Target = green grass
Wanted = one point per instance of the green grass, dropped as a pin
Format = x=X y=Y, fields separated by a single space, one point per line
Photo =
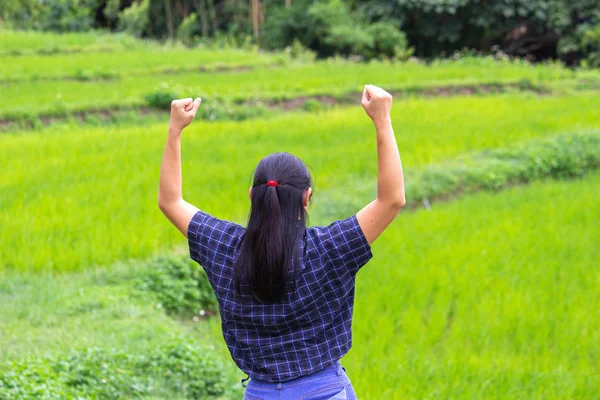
x=31 y=42
x=74 y=199
x=49 y=317
x=113 y=65
x=335 y=78
x=490 y=297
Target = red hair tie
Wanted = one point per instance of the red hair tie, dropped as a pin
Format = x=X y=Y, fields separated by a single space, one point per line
x=272 y=183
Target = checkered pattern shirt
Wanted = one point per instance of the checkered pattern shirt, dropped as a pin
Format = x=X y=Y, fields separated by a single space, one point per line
x=307 y=331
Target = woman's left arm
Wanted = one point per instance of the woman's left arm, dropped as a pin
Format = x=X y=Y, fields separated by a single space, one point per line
x=170 y=195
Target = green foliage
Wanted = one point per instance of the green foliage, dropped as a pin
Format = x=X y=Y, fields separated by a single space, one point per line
x=178 y=285
x=134 y=19
x=69 y=15
x=388 y=41
x=560 y=157
x=590 y=45
x=212 y=109
x=586 y=40
x=22 y=14
x=313 y=105
x=160 y=99
x=50 y=15
x=181 y=366
x=111 y=11
x=329 y=28
x=297 y=51
x=216 y=109
x=519 y=27
x=187 y=31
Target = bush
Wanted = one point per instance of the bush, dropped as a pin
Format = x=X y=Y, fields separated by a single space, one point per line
x=160 y=99
x=68 y=15
x=297 y=51
x=313 y=105
x=187 y=32
x=216 y=109
x=558 y=157
x=388 y=41
x=179 y=285
x=134 y=19
x=590 y=45
x=180 y=367
x=329 y=27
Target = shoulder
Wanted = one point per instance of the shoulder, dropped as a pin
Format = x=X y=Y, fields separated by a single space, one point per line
x=202 y=222
x=208 y=234
x=339 y=231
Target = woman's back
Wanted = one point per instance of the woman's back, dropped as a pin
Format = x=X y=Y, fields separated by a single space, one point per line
x=310 y=328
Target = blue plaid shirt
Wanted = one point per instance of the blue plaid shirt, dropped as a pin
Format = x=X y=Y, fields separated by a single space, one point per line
x=307 y=331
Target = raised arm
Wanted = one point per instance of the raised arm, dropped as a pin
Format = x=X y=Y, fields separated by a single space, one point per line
x=377 y=215
x=170 y=197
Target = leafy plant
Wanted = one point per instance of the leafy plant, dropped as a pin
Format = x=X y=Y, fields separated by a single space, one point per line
x=559 y=157
x=179 y=367
x=160 y=99
x=134 y=19
x=178 y=285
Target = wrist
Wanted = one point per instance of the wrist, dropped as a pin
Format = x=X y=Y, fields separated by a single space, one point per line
x=174 y=131
x=381 y=123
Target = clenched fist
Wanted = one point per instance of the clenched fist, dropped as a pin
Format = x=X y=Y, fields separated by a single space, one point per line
x=183 y=112
x=377 y=103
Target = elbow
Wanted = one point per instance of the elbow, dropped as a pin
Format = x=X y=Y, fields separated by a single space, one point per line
x=163 y=206
x=398 y=203
x=395 y=203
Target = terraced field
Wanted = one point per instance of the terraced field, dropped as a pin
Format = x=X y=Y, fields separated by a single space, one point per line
x=484 y=287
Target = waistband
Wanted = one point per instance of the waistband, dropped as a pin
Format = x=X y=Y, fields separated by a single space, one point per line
x=334 y=369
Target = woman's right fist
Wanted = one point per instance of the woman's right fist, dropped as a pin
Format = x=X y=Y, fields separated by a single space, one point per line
x=377 y=103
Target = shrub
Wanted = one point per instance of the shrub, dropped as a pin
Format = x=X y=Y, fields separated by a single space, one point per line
x=388 y=41
x=160 y=99
x=179 y=285
x=297 y=51
x=187 y=32
x=590 y=45
x=180 y=366
x=134 y=19
x=329 y=27
x=68 y=15
x=559 y=157
x=216 y=109
x=313 y=105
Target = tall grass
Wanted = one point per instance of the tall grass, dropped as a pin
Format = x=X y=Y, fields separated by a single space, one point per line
x=74 y=199
x=113 y=65
x=31 y=42
x=495 y=296
x=335 y=78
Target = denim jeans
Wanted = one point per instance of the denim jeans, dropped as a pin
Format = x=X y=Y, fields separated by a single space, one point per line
x=331 y=383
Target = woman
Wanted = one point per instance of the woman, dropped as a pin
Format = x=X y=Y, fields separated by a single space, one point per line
x=285 y=291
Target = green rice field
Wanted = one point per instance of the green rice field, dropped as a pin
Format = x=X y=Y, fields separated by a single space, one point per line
x=485 y=292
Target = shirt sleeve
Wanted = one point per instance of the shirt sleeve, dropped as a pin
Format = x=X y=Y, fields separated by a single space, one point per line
x=212 y=242
x=346 y=245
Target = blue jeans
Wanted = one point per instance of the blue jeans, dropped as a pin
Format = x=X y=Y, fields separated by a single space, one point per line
x=331 y=383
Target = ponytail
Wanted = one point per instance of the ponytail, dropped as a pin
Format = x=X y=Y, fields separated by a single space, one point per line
x=267 y=258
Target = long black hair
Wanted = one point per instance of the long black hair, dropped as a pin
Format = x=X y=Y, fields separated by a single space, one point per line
x=267 y=258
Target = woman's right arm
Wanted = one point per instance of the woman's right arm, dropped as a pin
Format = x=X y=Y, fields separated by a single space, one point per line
x=377 y=215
